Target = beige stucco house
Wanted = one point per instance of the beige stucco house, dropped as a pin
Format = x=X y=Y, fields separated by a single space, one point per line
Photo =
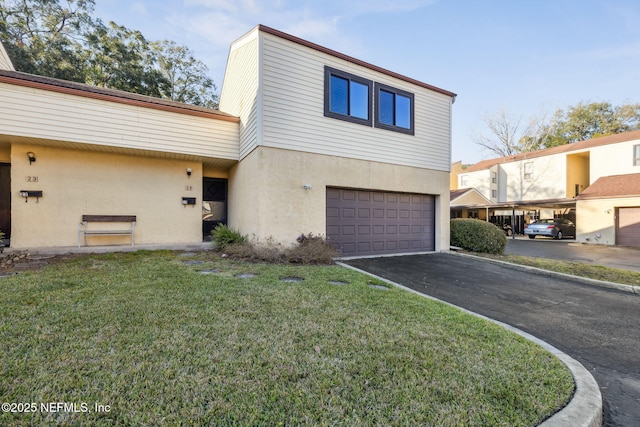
x=306 y=140
x=593 y=183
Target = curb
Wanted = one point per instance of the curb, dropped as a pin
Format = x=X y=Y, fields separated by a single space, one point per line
x=585 y=407
x=594 y=282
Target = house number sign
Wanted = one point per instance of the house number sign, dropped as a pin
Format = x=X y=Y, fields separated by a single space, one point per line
x=31 y=178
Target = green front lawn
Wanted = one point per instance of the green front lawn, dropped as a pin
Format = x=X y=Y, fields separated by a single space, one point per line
x=160 y=343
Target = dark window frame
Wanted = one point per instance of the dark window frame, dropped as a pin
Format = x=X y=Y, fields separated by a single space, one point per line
x=395 y=91
x=636 y=155
x=328 y=73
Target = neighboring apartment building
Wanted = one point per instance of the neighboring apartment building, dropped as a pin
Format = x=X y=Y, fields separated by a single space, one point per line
x=306 y=140
x=568 y=181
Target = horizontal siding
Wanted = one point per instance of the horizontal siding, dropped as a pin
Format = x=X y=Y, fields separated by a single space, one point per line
x=5 y=62
x=239 y=95
x=293 y=82
x=36 y=113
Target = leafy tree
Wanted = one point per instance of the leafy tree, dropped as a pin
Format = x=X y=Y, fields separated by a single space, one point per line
x=43 y=37
x=186 y=77
x=581 y=122
x=591 y=120
x=119 y=58
x=61 y=39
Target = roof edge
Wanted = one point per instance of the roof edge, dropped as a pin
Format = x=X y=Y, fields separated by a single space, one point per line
x=306 y=43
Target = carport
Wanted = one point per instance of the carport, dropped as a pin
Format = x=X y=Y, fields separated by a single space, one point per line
x=517 y=214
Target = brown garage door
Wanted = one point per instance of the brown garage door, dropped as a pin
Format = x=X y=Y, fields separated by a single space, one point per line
x=628 y=227
x=362 y=222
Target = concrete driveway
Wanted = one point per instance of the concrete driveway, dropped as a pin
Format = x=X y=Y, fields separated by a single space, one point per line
x=599 y=327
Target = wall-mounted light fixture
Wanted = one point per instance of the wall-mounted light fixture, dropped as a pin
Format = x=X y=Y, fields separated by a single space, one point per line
x=189 y=170
x=307 y=186
x=607 y=211
x=188 y=201
x=31 y=156
x=28 y=193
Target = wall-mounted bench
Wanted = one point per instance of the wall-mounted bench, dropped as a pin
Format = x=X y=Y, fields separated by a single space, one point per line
x=85 y=230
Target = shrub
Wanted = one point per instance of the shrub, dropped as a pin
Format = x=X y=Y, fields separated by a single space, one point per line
x=224 y=236
x=477 y=236
x=311 y=250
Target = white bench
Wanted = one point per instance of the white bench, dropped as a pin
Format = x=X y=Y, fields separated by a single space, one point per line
x=83 y=231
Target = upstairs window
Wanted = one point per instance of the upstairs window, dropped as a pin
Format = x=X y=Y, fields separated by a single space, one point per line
x=394 y=109
x=347 y=96
x=636 y=155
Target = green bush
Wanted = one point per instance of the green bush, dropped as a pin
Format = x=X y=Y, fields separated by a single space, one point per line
x=224 y=236
x=477 y=236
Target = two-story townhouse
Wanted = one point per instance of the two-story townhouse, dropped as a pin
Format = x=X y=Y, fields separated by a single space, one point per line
x=575 y=180
x=306 y=140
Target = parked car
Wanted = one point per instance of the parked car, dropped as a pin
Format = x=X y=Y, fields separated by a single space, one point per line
x=556 y=228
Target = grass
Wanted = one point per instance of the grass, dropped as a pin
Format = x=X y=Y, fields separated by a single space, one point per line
x=161 y=343
x=590 y=271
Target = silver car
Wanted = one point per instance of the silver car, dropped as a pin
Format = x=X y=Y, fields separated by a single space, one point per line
x=556 y=228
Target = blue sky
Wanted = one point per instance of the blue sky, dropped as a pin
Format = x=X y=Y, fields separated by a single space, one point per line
x=521 y=56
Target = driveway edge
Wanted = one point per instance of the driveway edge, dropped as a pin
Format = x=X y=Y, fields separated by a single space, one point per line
x=585 y=407
x=594 y=282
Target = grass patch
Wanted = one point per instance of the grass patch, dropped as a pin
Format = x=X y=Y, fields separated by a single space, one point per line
x=590 y=271
x=163 y=344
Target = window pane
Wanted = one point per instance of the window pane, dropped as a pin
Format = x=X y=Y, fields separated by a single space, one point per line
x=403 y=111
x=386 y=107
x=339 y=97
x=359 y=101
x=636 y=155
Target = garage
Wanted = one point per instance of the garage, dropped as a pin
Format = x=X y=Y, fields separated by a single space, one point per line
x=628 y=227
x=365 y=222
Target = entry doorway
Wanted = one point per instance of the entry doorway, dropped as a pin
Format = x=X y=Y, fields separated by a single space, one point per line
x=5 y=199
x=214 y=205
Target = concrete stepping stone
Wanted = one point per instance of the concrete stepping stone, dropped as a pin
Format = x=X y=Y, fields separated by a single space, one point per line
x=291 y=279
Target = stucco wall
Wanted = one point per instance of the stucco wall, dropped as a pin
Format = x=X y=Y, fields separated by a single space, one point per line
x=596 y=221
x=267 y=196
x=83 y=182
x=613 y=159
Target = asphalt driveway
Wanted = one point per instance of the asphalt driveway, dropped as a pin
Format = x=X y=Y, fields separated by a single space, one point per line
x=599 y=327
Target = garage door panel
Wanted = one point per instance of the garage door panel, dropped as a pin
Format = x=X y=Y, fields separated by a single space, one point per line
x=361 y=222
x=364 y=213
x=628 y=227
